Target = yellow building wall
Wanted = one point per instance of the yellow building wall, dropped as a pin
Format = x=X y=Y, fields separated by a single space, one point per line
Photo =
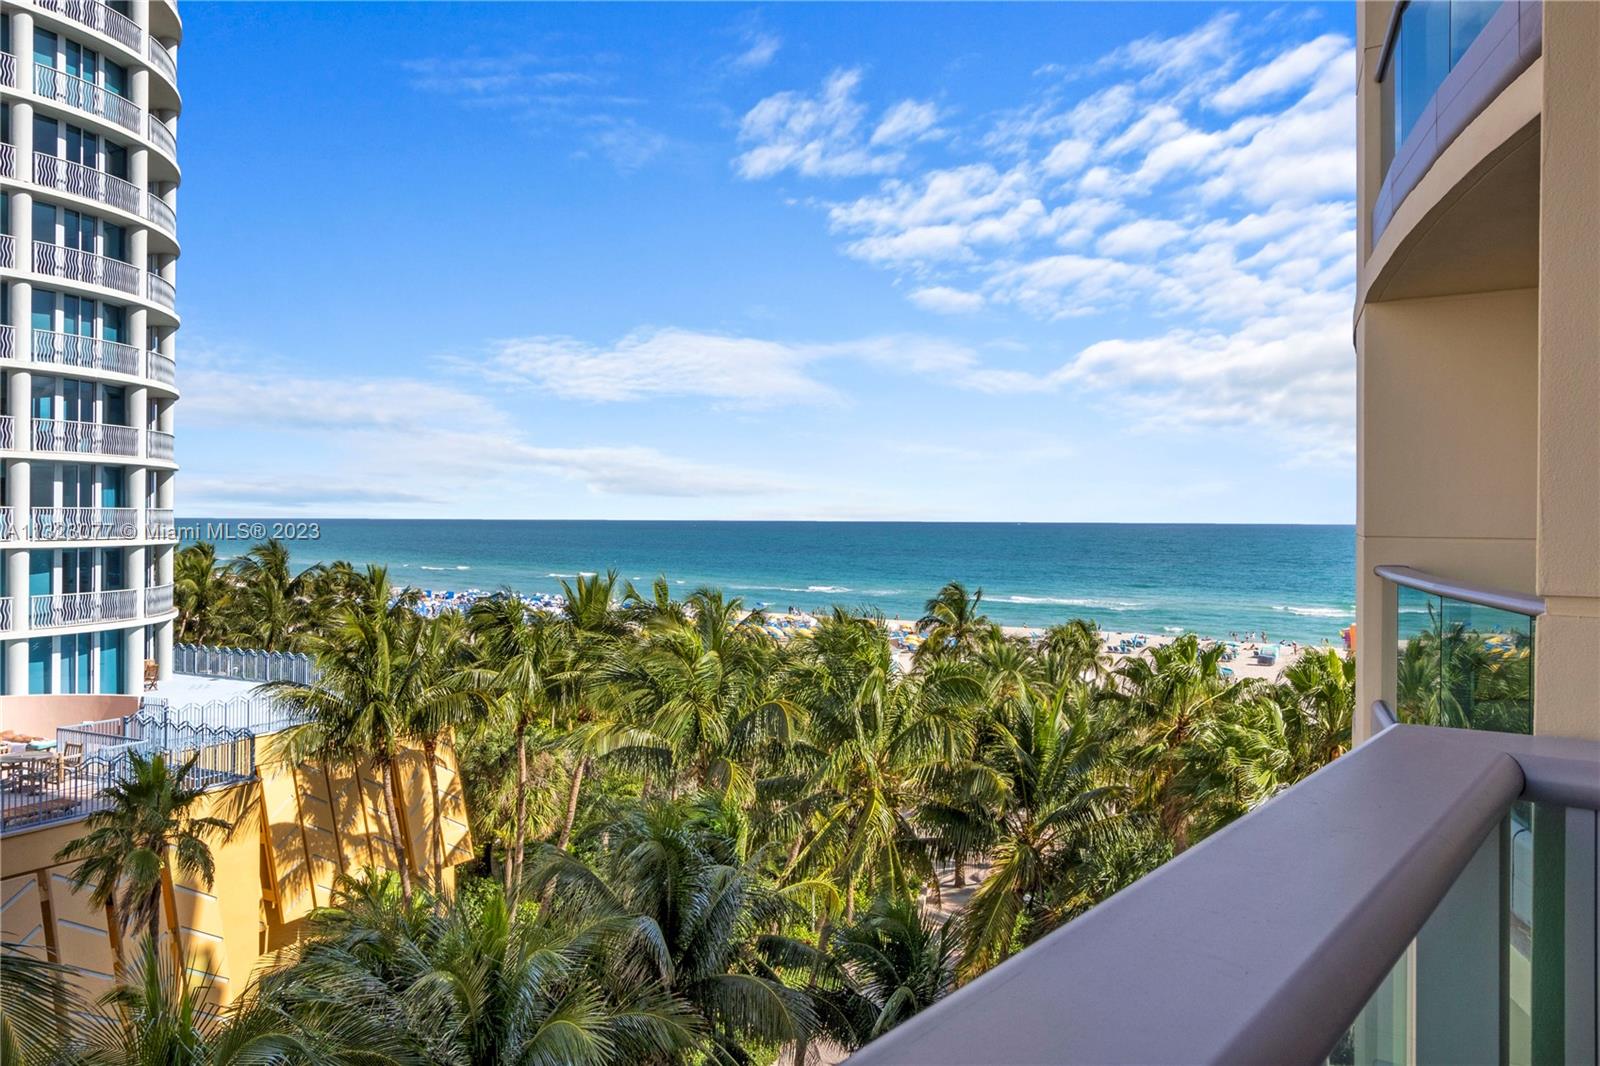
x=300 y=827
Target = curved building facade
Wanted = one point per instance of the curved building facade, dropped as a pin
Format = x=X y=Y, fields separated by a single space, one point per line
x=88 y=256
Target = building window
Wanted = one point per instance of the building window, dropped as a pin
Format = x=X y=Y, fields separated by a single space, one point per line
x=1430 y=40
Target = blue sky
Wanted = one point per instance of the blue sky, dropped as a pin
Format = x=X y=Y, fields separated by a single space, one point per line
x=1021 y=262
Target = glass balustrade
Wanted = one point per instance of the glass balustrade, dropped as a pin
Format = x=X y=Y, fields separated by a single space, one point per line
x=1463 y=664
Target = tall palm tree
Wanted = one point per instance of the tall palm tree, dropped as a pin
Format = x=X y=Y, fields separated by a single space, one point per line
x=146 y=823
x=952 y=624
x=594 y=623
x=200 y=589
x=36 y=1000
x=897 y=961
x=375 y=678
x=1316 y=696
x=523 y=654
x=1075 y=650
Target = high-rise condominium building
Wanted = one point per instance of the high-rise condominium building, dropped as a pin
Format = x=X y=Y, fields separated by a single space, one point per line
x=89 y=171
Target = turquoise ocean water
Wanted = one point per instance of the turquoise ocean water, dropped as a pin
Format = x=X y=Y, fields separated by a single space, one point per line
x=1293 y=582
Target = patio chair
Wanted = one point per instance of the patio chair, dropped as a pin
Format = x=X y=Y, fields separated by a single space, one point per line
x=152 y=674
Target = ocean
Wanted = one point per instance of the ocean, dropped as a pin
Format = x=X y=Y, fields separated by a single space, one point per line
x=1291 y=582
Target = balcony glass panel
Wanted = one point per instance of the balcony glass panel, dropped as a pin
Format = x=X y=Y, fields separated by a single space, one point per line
x=1431 y=39
x=1463 y=665
x=1488 y=978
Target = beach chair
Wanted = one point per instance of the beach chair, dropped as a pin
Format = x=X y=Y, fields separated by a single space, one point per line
x=152 y=674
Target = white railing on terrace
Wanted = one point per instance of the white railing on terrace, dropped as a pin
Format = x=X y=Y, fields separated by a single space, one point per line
x=60 y=435
x=8 y=251
x=84 y=523
x=8 y=523
x=7 y=615
x=75 y=178
x=256 y=714
x=159 y=290
x=8 y=432
x=8 y=161
x=244 y=664
x=77 y=265
x=160 y=212
x=161 y=136
x=161 y=59
x=160 y=524
x=98 y=16
x=162 y=368
x=92 y=353
x=158 y=599
x=8 y=70
x=76 y=608
x=160 y=445
x=8 y=342
x=86 y=96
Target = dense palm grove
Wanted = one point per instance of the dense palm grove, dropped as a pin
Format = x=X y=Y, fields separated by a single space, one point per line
x=700 y=844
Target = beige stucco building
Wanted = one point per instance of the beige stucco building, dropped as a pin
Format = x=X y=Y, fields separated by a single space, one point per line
x=1477 y=328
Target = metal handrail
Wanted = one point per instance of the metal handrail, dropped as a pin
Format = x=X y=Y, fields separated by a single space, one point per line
x=84 y=523
x=1382 y=716
x=95 y=353
x=245 y=664
x=161 y=136
x=85 y=95
x=54 y=172
x=8 y=342
x=1482 y=595
x=161 y=59
x=8 y=161
x=1263 y=942
x=159 y=290
x=97 y=438
x=98 y=16
x=160 y=445
x=75 y=264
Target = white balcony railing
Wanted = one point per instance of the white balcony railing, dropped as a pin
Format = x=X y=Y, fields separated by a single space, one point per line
x=160 y=445
x=8 y=432
x=158 y=211
x=74 y=264
x=84 y=523
x=57 y=173
x=159 y=290
x=161 y=136
x=8 y=252
x=98 y=16
x=161 y=59
x=161 y=368
x=77 y=608
x=7 y=615
x=8 y=70
x=8 y=161
x=8 y=523
x=86 y=96
x=91 y=353
x=8 y=342
x=160 y=524
x=158 y=599
x=97 y=438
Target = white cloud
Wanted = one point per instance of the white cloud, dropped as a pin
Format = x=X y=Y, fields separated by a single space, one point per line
x=1140 y=237
x=947 y=301
x=1066 y=157
x=762 y=49
x=908 y=120
x=816 y=136
x=1289 y=70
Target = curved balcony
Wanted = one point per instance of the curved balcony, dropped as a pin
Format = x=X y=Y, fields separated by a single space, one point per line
x=89 y=353
x=83 y=523
x=6 y=615
x=160 y=446
x=95 y=438
x=161 y=136
x=158 y=211
x=84 y=95
x=160 y=523
x=74 y=264
x=158 y=599
x=8 y=161
x=79 y=608
x=161 y=368
x=159 y=290
x=8 y=252
x=8 y=524
x=161 y=60
x=8 y=432
x=8 y=342
x=98 y=16
x=53 y=172
x=8 y=70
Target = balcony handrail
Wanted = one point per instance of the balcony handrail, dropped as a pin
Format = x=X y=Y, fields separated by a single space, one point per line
x=160 y=445
x=95 y=353
x=8 y=342
x=91 y=268
x=244 y=664
x=161 y=135
x=8 y=70
x=83 y=523
x=98 y=16
x=159 y=290
x=54 y=83
x=162 y=59
x=71 y=608
x=97 y=438
x=8 y=251
x=1382 y=716
x=1263 y=942
x=1450 y=588
x=8 y=432
x=8 y=160
x=55 y=172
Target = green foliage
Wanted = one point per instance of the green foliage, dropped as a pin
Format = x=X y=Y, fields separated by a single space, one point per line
x=716 y=845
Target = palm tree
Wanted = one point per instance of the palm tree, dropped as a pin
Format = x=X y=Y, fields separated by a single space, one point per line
x=36 y=999
x=376 y=677
x=162 y=1018
x=717 y=924
x=145 y=824
x=482 y=981
x=952 y=624
x=896 y=962
x=874 y=737
x=201 y=590
x=526 y=653
x=594 y=623
x=1316 y=696
x=1075 y=651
